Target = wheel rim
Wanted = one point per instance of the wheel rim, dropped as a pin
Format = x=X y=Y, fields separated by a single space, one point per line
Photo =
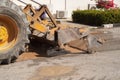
x=8 y=32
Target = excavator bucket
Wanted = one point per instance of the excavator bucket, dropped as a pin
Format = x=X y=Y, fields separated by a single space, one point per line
x=72 y=37
x=68 y=34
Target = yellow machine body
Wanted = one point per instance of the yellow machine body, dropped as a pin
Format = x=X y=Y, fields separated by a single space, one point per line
x=3 y=35
x=34 y=15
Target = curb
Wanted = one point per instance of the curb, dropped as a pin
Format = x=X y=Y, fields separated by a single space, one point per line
x=111 y=25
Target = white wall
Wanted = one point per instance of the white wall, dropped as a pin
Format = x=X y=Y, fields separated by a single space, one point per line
x=71 y=5
x=55 y=5
x=117 y=2
x=76 y=4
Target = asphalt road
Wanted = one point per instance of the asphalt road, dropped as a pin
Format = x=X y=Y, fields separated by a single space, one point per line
x=98 y=66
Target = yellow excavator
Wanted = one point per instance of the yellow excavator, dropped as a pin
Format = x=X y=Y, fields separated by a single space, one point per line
x=18 y=26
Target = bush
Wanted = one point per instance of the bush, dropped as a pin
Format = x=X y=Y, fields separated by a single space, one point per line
x=96 y=17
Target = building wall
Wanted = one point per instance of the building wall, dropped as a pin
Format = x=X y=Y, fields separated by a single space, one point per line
x=70 y=5
x=117 y=2
x=73 y=5
x=59 y=5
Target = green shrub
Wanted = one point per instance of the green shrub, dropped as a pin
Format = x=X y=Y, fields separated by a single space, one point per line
x=96 y=17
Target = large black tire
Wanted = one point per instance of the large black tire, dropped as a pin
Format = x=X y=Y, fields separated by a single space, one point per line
x=12 y=10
